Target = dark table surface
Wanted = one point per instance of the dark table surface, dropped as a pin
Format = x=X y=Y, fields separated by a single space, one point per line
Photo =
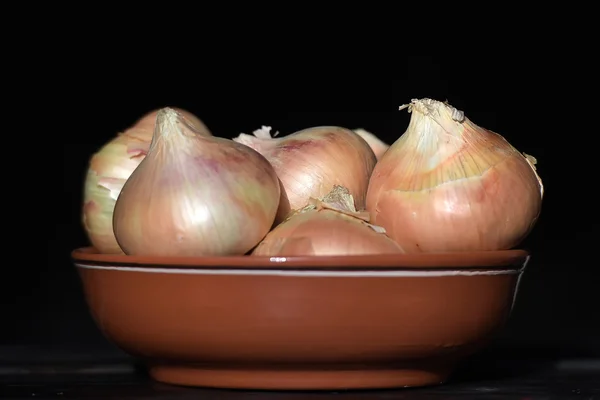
x=58 y=373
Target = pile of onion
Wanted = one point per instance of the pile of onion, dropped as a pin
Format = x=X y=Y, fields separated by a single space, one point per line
x=107 y=172
x=168 y=187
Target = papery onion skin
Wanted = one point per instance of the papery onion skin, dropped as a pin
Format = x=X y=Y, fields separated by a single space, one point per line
x=378 y=146
x=448 y=185
x=107 y=172
x=311 y=161
x=324 y=233
x=195 y=196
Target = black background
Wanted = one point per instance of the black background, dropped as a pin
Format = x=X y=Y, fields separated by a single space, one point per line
x=557 y=310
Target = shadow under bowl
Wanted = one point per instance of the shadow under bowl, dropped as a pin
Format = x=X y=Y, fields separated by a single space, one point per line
x=301 y=323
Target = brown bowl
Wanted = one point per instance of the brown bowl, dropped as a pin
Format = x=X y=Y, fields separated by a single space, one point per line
x=303 y=322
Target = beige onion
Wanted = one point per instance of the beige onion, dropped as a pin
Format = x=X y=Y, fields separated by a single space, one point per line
x=330 y=226
x=312 y=161
x=107 y=171
x=195 y=195
x=448 y=184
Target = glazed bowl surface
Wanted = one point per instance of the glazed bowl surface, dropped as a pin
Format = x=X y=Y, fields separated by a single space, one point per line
x=313 y=323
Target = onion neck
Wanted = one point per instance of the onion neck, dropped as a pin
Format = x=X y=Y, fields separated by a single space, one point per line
x=172 y=125
x=434 y=128
x=435 y=117
x=338 y=199
x=433 y=107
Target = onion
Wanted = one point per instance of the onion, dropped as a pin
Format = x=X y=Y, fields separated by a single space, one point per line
x=378 y=146
x=195 y=195
x=311 y=161
x=327 y=227
x=108 y=170
x=448 y=184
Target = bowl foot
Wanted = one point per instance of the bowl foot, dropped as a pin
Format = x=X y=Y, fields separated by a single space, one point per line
x=304 y=379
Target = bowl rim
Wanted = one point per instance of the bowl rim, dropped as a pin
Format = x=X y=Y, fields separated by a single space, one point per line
x=514 y=259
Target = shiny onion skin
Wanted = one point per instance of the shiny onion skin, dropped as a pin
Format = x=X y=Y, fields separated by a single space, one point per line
x=195 y=195
x=311 y=161
x=327 y=227
x=449 y=185
x=378 y=146
x=107 y=172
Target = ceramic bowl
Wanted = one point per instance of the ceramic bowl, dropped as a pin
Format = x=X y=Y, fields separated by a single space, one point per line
x=303 y=322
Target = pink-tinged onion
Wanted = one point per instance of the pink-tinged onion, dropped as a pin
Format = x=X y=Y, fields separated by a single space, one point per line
x=378 y=146
x=195 y=195
x=448 y=184
x=312 y=161
x=107 y=172
x=330 y=226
